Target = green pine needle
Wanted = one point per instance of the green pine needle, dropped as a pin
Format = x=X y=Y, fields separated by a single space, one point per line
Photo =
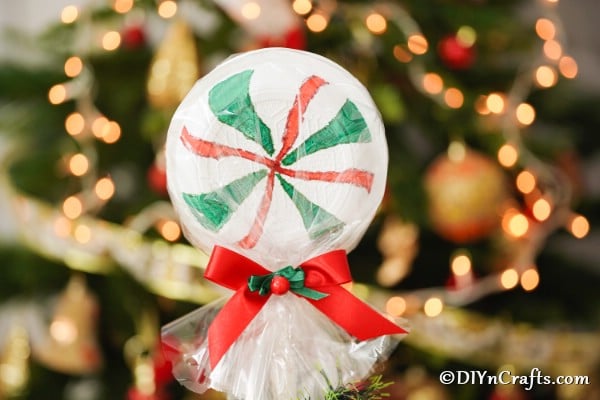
x=369 y=390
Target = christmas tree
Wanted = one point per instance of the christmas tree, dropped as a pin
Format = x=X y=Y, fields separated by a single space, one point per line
x=483 y=242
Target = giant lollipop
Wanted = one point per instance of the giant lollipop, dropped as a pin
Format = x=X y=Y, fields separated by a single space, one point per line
x=276 y=164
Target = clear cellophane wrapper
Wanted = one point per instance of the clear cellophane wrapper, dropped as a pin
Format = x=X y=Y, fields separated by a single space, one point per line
x=290 y=350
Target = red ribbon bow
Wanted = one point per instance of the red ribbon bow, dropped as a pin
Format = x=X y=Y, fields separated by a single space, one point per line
x=324 y=273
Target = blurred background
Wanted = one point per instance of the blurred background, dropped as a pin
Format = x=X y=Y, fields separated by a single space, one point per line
x=485 y=242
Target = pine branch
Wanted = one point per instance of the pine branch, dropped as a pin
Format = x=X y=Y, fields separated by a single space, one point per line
x=370 y=390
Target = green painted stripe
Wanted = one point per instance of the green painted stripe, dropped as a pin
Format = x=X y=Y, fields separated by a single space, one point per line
x=230 y=101
x=348 y=126
x=317 y=220
x=213 y=209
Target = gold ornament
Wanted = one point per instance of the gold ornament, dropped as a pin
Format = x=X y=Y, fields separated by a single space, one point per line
x=174 y=69
x=71 y=346
x=465 y=195
x=143 y=375
x=14 y=363
x=397 y=243
x=138 y=352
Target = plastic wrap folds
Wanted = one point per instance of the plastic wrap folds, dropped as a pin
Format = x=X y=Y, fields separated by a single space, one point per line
x=289 y=351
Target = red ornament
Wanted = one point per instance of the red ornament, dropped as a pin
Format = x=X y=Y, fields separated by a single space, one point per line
x=455 y=54
x=280 y=285
x=293 y=39
x=133 y=37
x=157 y=179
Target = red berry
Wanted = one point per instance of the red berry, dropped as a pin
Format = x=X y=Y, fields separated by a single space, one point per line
x=280 y=285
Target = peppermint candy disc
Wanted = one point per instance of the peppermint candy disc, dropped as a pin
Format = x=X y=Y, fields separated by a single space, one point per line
x=277 y=154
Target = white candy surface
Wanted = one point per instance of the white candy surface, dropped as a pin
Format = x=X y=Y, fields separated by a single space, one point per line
x=234 y=185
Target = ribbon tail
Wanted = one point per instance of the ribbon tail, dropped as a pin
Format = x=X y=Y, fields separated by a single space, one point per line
x=231 y=321
x=354 y=316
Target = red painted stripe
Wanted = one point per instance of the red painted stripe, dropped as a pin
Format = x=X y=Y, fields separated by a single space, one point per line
x=208 y=149
x=307 y=91
x=356 y=177
x=256 y=231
